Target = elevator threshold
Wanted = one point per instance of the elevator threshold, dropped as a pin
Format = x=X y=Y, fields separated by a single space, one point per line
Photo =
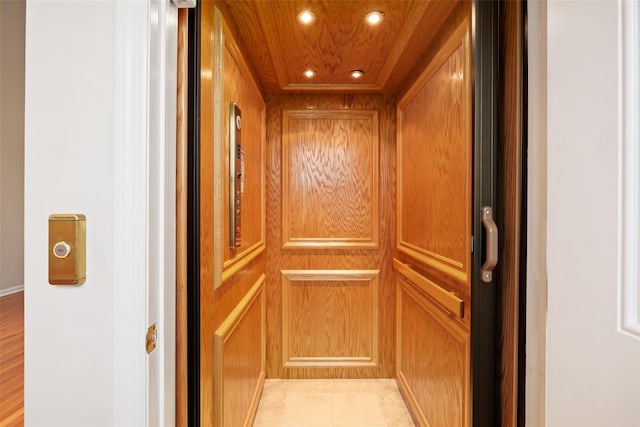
x=332 y=403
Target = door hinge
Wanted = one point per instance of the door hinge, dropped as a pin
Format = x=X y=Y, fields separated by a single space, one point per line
x=152 y=337
x=472 y=243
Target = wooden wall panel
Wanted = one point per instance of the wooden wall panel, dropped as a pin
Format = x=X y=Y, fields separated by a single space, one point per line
x=433 y=360
x=434 y=174
x=239 y=360
x=309 y=260
x=221 y=293
x=330 y=178
x=434 y=166
x=330 y=318
x=238 y=86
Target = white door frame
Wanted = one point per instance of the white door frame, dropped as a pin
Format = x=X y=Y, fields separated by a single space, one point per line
x=144 y=212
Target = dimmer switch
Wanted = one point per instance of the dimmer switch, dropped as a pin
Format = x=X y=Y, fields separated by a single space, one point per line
x=67 y=249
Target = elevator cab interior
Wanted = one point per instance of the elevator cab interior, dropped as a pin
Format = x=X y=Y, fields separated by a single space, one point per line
x=335 y=204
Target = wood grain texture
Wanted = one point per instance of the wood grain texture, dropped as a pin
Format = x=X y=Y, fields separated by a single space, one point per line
x=181 y=220
x=217 y=302
x=510 y=210
x=433 y=361
x=337 y=42
x=329 y=318
x=434 y=165
x=447 y=300
x=330 y=179
x=12 y=360
x=434 y=229
x=239 y=360
x=239 y=86
x=331 y=259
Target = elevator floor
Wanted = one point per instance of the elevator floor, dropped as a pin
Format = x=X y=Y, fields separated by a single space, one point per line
x=332 y=403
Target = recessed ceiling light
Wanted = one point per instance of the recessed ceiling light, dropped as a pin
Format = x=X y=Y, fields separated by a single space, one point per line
x=309 y=73
x=306 y=17
x=356 y=74
x=374 y=17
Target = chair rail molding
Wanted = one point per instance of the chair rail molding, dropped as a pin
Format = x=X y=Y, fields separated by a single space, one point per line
x=629 y=165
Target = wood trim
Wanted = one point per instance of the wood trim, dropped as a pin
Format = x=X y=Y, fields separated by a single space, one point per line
x=218 y=146
x=182 y=189
x=332 y=243
x=459 y=36
x=448 y=300
x=235 y=265
x=370 y=276
x=222 y=335
x=510 y=210
x=457 y=270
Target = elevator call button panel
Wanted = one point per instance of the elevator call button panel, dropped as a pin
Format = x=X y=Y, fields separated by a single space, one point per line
x=67 y=249
x=236 y=178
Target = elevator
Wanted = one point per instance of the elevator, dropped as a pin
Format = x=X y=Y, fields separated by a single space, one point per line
x=343 y=203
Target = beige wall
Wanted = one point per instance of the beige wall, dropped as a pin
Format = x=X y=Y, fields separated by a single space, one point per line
x=12 y=39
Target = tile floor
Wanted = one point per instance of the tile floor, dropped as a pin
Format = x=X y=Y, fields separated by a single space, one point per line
x=332 y=403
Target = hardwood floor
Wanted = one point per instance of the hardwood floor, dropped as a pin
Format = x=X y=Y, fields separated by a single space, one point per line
x=12 y=360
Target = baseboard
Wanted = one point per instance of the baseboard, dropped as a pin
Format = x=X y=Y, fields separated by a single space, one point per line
x=12 y=290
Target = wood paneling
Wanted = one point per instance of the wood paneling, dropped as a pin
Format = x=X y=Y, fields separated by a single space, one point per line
x=510 y=210
x=239 y=86
x=330 y=178
x=329 y=318
x=239 y=360
x=433 y=360
x=306 y=260
x=434 y=155
x=337 y=42
x=447 y=300
x=218 y=297
x=434 y=165
x=12 y=360
x=181 y=220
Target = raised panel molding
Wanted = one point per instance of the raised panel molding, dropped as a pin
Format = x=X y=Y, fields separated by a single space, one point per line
x=233 y=81
x=433 y=361
x=330 y=318
x=629 y=165
x=239 y=360
x=330 y=179
x=434 y=129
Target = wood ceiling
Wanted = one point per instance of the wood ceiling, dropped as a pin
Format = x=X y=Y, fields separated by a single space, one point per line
x=337 y=42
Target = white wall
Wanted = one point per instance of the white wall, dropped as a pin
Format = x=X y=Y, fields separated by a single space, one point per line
x=95 y=145
x=536 y=216
x=69 y=163
x=592 y=369
x=12 y=19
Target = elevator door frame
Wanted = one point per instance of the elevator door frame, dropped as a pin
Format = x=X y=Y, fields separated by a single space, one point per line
x=485 y=23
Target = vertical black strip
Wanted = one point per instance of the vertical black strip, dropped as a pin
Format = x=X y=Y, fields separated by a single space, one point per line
x=193 y=215
x=483 y=295
x=522 y=291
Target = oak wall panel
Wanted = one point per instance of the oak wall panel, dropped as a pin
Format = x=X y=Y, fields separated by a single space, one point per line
x=330 y=178
x=343 y=258
x=434 y=166
x=330 y=318
x=433 y=360
x=222 y=292
x=239 y=360
x=238 y=86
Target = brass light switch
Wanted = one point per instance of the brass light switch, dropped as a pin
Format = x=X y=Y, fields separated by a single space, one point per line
x=67 y=249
